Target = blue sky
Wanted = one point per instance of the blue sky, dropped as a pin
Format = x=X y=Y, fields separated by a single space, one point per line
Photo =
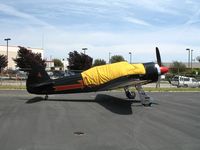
x=103 y=26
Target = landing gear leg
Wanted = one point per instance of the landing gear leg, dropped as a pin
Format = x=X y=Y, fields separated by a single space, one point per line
x=145 y=99
x=129 y=94
x=46 y=97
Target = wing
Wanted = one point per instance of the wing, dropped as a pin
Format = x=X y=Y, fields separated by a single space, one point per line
x=122 y=82
x=101 y=75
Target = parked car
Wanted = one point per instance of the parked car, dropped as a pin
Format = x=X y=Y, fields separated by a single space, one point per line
x=183 y=81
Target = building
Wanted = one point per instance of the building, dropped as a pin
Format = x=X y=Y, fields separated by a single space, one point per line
x=65 y=64
x=49 y=64
x=12 y=53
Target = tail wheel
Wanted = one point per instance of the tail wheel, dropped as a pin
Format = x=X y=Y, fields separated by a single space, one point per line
x=147 y=105
x=46 y=97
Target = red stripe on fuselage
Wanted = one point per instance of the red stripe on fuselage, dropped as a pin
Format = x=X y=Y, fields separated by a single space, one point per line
x=69 y=87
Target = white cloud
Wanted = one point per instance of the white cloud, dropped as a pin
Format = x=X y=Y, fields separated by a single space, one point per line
x=11 y=11
x=137 y=21
x=194 y=19
x=86 y=17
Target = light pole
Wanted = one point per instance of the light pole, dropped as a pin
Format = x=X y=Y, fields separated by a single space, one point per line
x=109 y=56
x=130 y=57
x=191 y=57
x=84 y=49
x=7 y=39
x=188 y=57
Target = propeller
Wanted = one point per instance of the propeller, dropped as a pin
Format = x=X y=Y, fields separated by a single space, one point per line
x=158 y=57
x=163 y=69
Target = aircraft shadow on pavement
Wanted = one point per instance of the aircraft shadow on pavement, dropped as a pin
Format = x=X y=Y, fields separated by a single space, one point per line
x=111 y=103
x=35 y=100
x=114 y=104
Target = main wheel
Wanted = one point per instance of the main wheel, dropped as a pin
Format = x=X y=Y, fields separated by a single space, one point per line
x=130 y=94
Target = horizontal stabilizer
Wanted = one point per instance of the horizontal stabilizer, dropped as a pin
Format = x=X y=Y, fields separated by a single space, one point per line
x=48 y=83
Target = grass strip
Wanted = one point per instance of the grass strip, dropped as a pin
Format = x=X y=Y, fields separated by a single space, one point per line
x=151 y=89
x=12 y=87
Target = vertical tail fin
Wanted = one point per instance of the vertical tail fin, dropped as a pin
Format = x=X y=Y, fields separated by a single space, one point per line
x=37 y=75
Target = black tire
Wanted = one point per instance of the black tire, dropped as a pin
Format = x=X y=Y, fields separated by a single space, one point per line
x=130 y=95
x=46 y=97
x=147 y=105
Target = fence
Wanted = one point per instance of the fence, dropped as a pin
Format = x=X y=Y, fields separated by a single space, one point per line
x=12 y=80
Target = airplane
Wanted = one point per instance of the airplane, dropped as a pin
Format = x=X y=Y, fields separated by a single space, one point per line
x=100 y=78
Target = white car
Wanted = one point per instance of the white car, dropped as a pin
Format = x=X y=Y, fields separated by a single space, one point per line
x=183 y=81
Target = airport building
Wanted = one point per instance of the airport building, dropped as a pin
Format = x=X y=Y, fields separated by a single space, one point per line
x=12 y=53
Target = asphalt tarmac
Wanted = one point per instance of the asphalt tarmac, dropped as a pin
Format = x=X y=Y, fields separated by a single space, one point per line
x=99 y=121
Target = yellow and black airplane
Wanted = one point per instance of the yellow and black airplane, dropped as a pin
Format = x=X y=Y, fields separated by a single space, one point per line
x=100 y=78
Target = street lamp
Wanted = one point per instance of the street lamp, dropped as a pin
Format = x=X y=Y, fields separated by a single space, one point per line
x=188 y=57
x=7 y=39
x=84 y=49
x=191 y=57
x=109 y=56
x=130 y=57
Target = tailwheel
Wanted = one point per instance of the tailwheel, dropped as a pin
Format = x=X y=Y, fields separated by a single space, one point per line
x=130 y=94
x=46 y=97
x=147 y=104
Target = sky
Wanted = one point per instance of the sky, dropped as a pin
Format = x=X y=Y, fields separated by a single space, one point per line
x=104 y=26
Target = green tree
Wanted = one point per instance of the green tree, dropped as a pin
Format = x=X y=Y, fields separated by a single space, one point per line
x=99 y=62
x=116 y=58
x=3 y=62
x=79 y=61
x=177 y=67
x=198 y=58
x=26 y=59
x=57 y=63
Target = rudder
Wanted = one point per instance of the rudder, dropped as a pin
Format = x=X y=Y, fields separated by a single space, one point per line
x=36 y=76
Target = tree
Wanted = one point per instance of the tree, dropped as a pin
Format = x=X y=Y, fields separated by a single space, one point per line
x=177 y=67
x=57 y=63
x=79 y=61
x=198 y=58
x=116 y=58
x=27 y=59
x=98 y=62
x=3 y=62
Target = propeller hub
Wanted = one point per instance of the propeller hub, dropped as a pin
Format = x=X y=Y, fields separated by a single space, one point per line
x=164 y=70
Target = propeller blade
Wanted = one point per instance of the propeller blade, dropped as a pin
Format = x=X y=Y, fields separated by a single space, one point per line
x=158 y=57
x=163 y=69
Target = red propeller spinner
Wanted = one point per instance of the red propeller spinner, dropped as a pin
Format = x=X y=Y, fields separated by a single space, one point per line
x=163 y=69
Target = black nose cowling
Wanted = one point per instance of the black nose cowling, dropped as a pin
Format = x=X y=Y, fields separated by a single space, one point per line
x=152 y=72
